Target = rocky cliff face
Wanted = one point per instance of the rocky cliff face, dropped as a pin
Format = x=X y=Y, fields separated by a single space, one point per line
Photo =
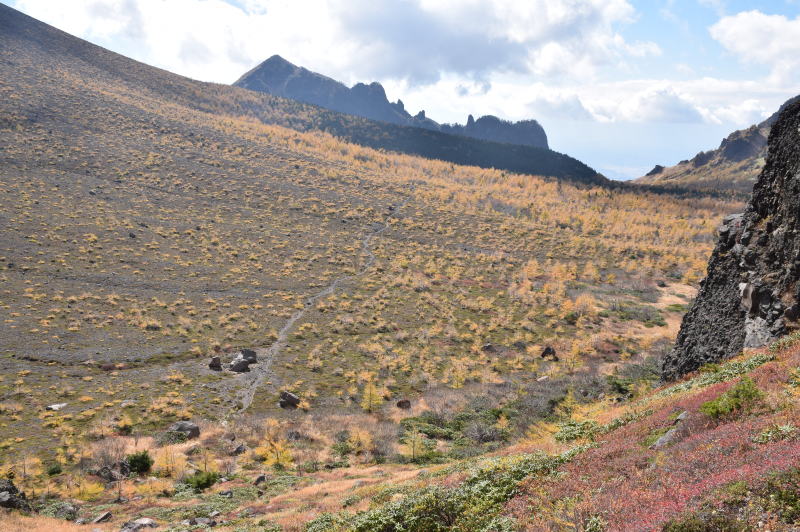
x=751 y=294
x=278 y=76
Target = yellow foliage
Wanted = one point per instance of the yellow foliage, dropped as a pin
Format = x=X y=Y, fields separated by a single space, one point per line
x=168 y=462
x=155 y=488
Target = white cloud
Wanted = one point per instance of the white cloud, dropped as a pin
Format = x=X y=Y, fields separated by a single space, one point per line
x=561 y=106
x=660 y=104
x=757 y=38
x=414 y=40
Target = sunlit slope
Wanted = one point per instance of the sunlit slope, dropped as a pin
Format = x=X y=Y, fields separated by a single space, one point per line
x=148 y=224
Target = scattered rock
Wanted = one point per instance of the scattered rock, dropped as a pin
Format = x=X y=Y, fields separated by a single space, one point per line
x=239 y=365
x=543 y=378
x=199 y=521
x=240 y=449
x=12 y=498
x=191 y=430
x=288 y=400
x=250 y=356
x=681 y=417
x=102 y=518
x=228 y=494
x=215 y=364
x=62 y=510
x=489 y=348
x=296 y=435
x=55 y=407
x=107 y=474
x=670 y=436
x=404 y=404
x=549 y=353
x=138 y=524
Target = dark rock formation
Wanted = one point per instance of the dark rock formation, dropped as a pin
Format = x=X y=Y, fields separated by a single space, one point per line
x=278 y=76
x=191 y=430
x=239 y=365
x=549 y=353
x=657 y=169
x=288 y=400
x=751 y=294
x=12 y=498
x=250 y=356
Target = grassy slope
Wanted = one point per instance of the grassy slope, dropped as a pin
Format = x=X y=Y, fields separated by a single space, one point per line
x=722 y=474
x=149 y=224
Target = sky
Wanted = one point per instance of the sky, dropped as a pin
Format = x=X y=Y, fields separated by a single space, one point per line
x=619 y=84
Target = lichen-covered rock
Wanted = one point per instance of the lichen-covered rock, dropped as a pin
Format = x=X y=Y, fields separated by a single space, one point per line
x=751 y=293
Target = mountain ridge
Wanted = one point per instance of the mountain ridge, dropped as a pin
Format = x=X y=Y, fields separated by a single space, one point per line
x=280 y=77
x=734 y=165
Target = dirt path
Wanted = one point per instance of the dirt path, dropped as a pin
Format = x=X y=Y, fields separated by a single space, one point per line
x=259 y=373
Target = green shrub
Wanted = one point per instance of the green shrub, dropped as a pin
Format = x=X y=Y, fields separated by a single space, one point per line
x=782 y=495
x=725 y=373
x=473 y=505
x=171 y=437
x=202 y=480
x=324 y=523
x=141 y=462
x=574 y=430
x=54 y=469
x=785 y=342
x=776 y=433
x=742 y=395
x=619 y=385
x=706 y=523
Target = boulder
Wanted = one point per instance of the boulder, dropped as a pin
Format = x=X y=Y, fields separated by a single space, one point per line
x=404 y=404
x=239 y=365
x=259 y=479
x=240 y=449
x=62 y=510
x=199 y=521
x=12 y=498
x=55 y=407
x=102 y=518
x=138 y=524
x=191 y=430
x=215 y=364
x=549 y=353
x=107 y=474
x=250 y=356
x=288 y=400
x=671 y=436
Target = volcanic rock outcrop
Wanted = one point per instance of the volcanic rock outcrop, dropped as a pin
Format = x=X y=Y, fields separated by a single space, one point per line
x=751 y=293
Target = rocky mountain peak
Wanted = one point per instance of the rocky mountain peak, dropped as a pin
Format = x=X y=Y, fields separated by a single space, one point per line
x=751 y=294
x=278 y=76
